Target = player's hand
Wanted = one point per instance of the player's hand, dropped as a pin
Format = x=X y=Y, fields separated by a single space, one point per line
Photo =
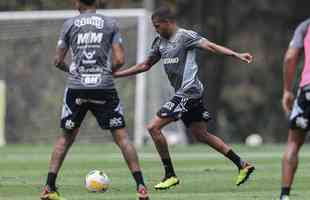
x=245 y=57
x=287 y=101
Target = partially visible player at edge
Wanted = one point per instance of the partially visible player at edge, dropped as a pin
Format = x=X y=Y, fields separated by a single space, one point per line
x=176 y=46
x=96 y=46
x=298 y=109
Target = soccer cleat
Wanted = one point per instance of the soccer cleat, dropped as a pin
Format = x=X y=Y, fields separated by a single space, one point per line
x=244 y=173
x=167 y=183
x=284 y=197
x=142 y=193
x=48 y=194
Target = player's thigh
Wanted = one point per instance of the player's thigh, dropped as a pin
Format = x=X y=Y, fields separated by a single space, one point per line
x=195 y=114
x=157 y=123
x=197 y=127
x=73 y=113
x=296 y=138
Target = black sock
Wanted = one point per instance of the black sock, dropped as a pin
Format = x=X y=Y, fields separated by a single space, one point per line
x=285 y=191
x=235 y=159
x=169 y=171
x=51 y=179
x=138 y=178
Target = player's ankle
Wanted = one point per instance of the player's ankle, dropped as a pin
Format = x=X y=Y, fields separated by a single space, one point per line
x=169 y=175
x=285 y=191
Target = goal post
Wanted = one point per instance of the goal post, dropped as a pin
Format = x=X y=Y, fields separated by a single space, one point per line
x=2 y=112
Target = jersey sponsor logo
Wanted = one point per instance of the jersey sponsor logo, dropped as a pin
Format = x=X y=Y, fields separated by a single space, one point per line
x=171 y=60
x=83 y=70
x=91 y=80
x=94 y=21
x=89 y=57
x=89 y=38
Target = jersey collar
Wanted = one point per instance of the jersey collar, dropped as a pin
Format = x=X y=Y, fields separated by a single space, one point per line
x=173 y=37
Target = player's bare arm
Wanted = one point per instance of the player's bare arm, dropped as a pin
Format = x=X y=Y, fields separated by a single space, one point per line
x=215 y=48
x=136 y=69
x=289 y=66
x=118 y=56
x=59 y=61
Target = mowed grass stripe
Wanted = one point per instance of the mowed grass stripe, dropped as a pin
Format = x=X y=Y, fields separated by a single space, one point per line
x=204 y=174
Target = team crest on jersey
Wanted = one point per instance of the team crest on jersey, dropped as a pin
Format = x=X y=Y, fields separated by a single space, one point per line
x=94 y=21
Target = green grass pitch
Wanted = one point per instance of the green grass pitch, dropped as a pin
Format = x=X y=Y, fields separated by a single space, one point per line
x=204 y=174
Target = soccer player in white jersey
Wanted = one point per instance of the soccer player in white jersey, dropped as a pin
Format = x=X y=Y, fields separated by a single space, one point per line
x=177 y=48
x=96 y=47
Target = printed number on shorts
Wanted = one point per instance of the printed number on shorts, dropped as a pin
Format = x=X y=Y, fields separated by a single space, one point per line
x=90 y=80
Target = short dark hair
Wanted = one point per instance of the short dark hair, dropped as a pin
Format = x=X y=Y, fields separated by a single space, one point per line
x=164 y=13
x=88 y=2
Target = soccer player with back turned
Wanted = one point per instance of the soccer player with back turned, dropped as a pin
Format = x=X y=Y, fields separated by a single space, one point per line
x=299 y=109
x=96 y=47
x=176 y=46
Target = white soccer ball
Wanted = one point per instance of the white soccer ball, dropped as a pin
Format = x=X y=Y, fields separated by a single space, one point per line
x=97 y=181
x=254 y=140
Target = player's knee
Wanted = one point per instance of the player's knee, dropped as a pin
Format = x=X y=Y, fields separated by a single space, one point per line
x=120 y=137
x=123 y=142
x=153 y=129
x=291 y=154
x=200 y=136
x=290 y=157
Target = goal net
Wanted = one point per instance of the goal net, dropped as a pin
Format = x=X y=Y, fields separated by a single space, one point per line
x=35 y=88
